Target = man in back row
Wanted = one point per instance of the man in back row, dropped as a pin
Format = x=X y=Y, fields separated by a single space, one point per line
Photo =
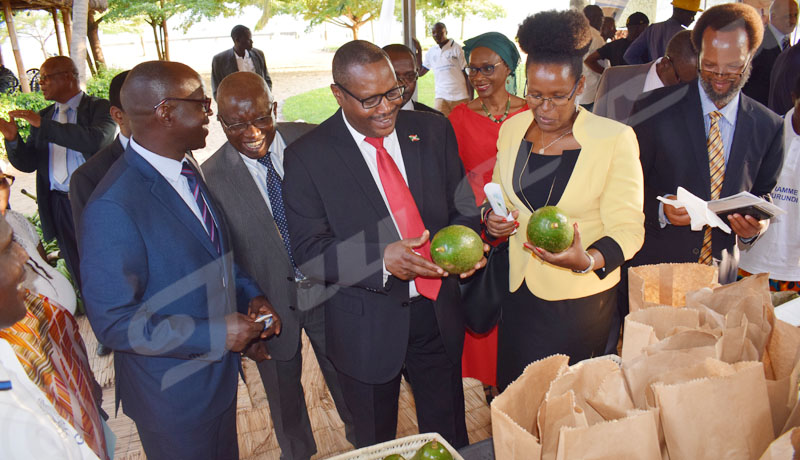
x=407 y=71
x=652 y=44
x=242 y=57
x=446 y=59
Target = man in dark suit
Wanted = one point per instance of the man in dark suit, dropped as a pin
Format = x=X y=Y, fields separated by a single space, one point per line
x=245 y=177
x=406 y=69
x=777 y=33
x=714 y=142
x=620 y=86
x=363 y=192
x=242 y=57
x=63 y=136
x=160 y=285
x=88 y=175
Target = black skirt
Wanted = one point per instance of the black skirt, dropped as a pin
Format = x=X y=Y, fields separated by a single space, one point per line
x=531 y=328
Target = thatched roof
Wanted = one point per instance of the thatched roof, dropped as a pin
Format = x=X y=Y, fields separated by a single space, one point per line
x=97 y=5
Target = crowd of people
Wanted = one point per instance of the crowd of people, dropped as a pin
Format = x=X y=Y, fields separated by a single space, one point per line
x=292 y=228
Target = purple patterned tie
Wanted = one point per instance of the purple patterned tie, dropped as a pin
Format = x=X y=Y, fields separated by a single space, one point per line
x=208 y=220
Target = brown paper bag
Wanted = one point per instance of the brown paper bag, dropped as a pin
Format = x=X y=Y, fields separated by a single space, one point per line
x=782 y=399
x=667 y=284
x=611 y=400
x=722 y=417
x=783 y=448
x=584 y=379
x=646 y=327
x=643 y=371
x=514 y=412
x=557 y=412
x=633 y=437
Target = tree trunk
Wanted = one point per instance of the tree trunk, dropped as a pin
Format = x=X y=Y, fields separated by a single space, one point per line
x=77 y=47
x=54 y=12
x=355 y=28
x=67 y=19
x=165 y=37
x=463 y=17
x=92 y=68
x=94 y=40
x=157 y=41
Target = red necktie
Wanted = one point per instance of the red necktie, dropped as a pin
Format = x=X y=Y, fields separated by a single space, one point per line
x=405 y=212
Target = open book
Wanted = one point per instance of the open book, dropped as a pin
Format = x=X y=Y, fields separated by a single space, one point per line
x=744 y=203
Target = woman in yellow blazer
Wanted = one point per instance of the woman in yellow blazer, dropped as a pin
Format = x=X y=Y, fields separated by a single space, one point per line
x=561 y=155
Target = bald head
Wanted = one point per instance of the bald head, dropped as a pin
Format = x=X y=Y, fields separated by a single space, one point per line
x=247 y=113
x=179 y=122
x=60 y=64
x=355 y=53
x=241 y=88
x=58 y=78
x=783 y=15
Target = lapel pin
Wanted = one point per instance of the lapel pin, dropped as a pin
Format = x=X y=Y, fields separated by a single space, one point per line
x=413 y=137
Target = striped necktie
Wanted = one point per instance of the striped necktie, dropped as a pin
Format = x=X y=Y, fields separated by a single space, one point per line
x=274 y=192
x=208 y=220
x=60 y=171
x=405 y=211
x=785 y=42
x=716 y=164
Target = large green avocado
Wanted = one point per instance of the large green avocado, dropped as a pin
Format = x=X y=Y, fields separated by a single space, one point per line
x=456 y=249
x=432 y=450
x=550 y=229
x=394 y=457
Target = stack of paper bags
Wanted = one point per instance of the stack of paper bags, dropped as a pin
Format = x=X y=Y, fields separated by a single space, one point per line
x=707 y=372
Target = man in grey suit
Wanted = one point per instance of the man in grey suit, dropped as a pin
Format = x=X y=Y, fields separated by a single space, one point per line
x=244 y=176
x=620 y=86
x=241 y=57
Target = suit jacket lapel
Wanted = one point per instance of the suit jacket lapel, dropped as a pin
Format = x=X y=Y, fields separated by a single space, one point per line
x=735 y=165
x=412 y=160
x=346 y=148
x=695 y=130
x=169 y=198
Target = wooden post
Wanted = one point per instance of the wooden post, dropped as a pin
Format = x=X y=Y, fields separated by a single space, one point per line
x=67 y=18
x=54 y=13
x=12 y=33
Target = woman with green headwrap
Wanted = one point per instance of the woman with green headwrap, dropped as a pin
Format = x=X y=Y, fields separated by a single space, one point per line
x=493 y=60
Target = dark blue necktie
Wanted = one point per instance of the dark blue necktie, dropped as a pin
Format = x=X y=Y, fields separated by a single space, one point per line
x=278 y=212
x=208 y=220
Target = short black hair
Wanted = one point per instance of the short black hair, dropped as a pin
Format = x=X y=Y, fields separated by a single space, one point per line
x=730 y=16
x=636 y=19
x=593 y=13
x=556 y=37
x=796 y=87
x=114 y=88
x=355 y=53
x=238 y=31
x=398 y=48
x=680 y=47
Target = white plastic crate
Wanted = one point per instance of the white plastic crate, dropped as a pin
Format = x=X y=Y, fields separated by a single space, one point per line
x=406 y=447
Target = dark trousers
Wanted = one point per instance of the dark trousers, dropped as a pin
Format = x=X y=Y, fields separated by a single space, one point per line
x=435 y=382
x=212 y=440
x=287 y=402
x=65 y=233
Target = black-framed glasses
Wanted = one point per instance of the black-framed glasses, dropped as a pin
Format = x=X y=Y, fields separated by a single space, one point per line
x=375 y=100
x=537 y=100
x=674 y=70
x=206 y=101
x=408 y=77
x=7 y=177
x=732 y=74
x=485 y=69
x=45 y=78
x=238 y=128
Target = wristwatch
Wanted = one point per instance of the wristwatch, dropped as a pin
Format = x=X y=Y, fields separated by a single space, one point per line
x=589 y=268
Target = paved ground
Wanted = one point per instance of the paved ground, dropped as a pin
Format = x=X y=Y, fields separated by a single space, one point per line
x=285 y=83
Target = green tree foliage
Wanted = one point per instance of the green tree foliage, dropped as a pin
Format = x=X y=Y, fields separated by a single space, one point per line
x=350 y=14
x=156 y=13
x=436 y=10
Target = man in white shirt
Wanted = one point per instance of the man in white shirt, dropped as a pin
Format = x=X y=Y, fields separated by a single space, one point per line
x=447 y=61
x=620 y=86
x=241 y=58
x=245 y=176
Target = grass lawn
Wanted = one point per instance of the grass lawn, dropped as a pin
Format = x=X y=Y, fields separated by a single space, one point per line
x=318 y=104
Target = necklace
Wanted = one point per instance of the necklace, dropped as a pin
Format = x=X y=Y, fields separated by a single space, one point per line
x=541 y=150
x=489 y=114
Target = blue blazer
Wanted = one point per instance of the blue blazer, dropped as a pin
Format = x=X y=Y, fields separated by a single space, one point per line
x=156 y=292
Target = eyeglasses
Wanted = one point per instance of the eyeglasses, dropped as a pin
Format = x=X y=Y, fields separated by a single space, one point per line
x=206 y=101
x=7 y=177
x=45 y=78
x=537 y=100
x=238 y=128
x=674 y=70
x=486 y=69
x=732 y=74
x=374 y=101
x=409 y=77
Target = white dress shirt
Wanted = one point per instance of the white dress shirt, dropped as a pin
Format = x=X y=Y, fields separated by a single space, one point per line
x=74 y=158
x=245 y=64
x=370 y=154
x=32 y=428
x=652 y=80
x=259 y=171
x=123 y=140
x=171 y=171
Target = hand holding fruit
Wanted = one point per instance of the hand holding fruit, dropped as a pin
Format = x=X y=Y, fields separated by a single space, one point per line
x=573 y=258
x=458 y=250
x=498 y=227
x=404 y=263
